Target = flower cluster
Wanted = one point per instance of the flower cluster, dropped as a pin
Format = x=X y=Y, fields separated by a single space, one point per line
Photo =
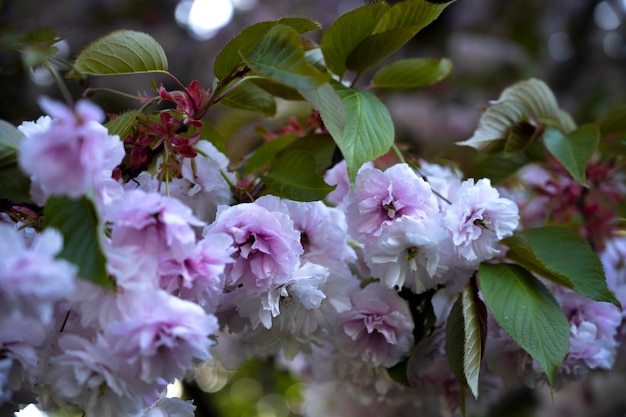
x=187 y=264
x=341 y=290
x=108 y=352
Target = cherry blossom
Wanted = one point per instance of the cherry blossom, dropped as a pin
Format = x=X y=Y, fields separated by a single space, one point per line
x=68 y=154
x=478 y=218
x=378 y=328
x=379 y=198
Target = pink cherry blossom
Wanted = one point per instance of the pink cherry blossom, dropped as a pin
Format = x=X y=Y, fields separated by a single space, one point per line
x=32 y=279
x=301 y=289
x=87 y=375
x=160 y=226
x=445 y=181
x=478 y=218
x=267 y=246
x=161 y=334
x=593 y=330
x=338 y=175
x=20 y=336
x=378 y=328
x=379 y=198
x=205 y=174
x=323 y=234
x=69 y=154
x=200 y=277
x=410 y=253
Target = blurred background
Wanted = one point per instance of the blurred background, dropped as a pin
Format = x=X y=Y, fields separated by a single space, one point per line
x=577 y=47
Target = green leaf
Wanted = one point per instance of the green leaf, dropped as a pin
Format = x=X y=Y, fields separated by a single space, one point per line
x=358 y=122
x=121 y=52
x=10 y=138
x=575 y=150
x=522 y=254
x=266 y=152
x=378 y=47
x=412 y=73
x=495 y=124
x=475 y=326
x=229 y=58
x=566 y=122
x=529 y=101
x=13 y=182
x=368 y=132
x=466 y=333
x=398 y=26
x=497 y=167
x=398 y=372
x=277 y=89
x=249 y=96
x=300 y=24
x=528 y=312
x=347 y=32
x=566 y=254
x=521 y=136
x=331 y=107
x=124 y=124
x=279 y=56
x=77 y=220
x=320 y=146
x=315 y=57
x=415 y=14
x=294 y=176
x=537 y=99
x=455 y=340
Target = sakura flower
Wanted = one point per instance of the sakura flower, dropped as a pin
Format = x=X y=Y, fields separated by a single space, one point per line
x=478 y=218
x=267 y=245
x=41 y=125
x=378 y=328
x=31 y=278
x=160 y=226
x=87 y=375
x=379 y=198
x=160 y=335
x=301 y=289
x=323 y=234
x=200 y=277
x=204 y=174
x=338 y=175
x=410 y=253
x=445 y=181
x=593 y=331
x=20 y=336
x=201 y=185
x=69 y=154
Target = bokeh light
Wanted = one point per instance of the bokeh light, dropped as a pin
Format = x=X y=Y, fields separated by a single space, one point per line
x=605 y=16
x=204 y=18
